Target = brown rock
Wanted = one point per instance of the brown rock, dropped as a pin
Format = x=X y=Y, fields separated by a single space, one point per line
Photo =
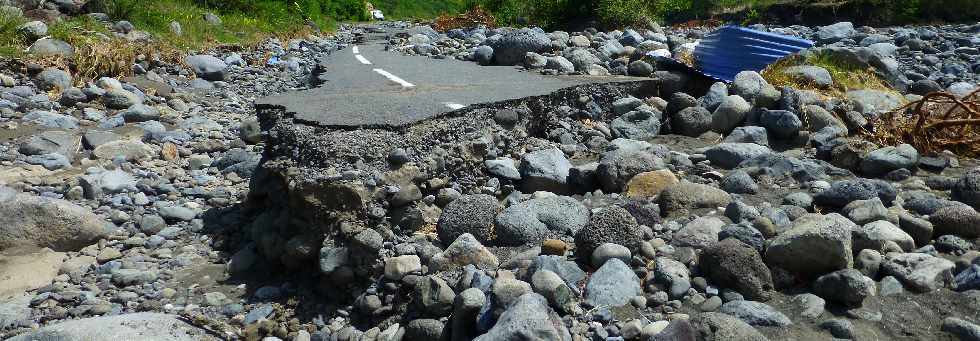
x=650 y=184
x=553 y=247
x=688 y=195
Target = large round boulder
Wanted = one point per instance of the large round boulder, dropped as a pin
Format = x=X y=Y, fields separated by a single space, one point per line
x=472 y=214
x=510 y=48
x=536 y=219
x=30 y=220
x=612 y=224
x=732 y=263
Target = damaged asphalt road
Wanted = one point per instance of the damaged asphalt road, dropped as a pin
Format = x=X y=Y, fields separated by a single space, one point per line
x=366 y=86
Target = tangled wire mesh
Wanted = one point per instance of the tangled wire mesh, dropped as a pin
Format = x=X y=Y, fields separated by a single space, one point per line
x=937 y=122
x=472 y=18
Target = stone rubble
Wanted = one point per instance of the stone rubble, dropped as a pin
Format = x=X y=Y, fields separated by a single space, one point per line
x=664 y=210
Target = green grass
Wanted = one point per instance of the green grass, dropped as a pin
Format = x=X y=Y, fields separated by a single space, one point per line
x=846 y=76
x=236 y=27
x=10 y=40
x=418 y=9
x=240 y=25
x=100 y=53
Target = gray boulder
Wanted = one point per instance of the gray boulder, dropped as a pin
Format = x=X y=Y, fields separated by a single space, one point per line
x=640 y=68
x=848 y=287
x=724 y=327
x=887 y=159
x=732 y=263
x=963 y=329
x=529 y=318
x=818 y=118
x=730 y=155
x=844 y=192
x=472 y=214
x=137 y=326
x=756 y=90
x=617 y=167
x=877 y=235
x=608 y=251
x=49 y=161
x=967 y=189
x=545 y=170
x=692 y=121
x=96 y=184
x=207 y=67
x=536 y=219
x=581 y=58
x=120 y=99
x=636 y=125
x=33 y=30
x=679 y=101
x=53 y=78
x=53 y=120
x=836 y=32
x=51 y=47
x=613 y=285
x=626 y=104
x=630 y=38
x=919 y=272
x=503 y=168
x=748 y=134
x=868 y=101
x=30 y=220
x=535 y=61
x=699 y=233
x=510 y=48
x=755 y=313
x=52 y=141
x=715 y=95
x=140 y=113
x=781 y=123
x=730 y=114
x=810 y=74
x=739 y=182
x=865 y=211
x=959 y=220
x=924 y=87
x=559 y=63
x=815 y=244
x=612 y=224
x=483 y=55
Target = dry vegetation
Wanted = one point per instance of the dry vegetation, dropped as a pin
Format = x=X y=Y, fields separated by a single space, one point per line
x=937 y=122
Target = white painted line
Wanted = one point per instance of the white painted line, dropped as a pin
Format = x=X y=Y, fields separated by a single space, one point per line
x=361 y=59
x=394 y=78
x=454 y=106
x=356 y=51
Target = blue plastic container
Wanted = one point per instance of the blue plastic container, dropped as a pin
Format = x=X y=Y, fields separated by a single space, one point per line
x=724 y=53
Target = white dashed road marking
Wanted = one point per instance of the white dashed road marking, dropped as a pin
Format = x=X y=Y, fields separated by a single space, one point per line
x=356 y=51
x=361 y=59
x=394 y=78
x=454 y=106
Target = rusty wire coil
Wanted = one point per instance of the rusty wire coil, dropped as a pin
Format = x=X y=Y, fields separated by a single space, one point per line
x=937 y=122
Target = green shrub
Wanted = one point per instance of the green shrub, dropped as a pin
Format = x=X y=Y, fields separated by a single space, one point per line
x=9 y=22
x=418 y=9
x=624 y=12
x=115 y=9
x=317 y=10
